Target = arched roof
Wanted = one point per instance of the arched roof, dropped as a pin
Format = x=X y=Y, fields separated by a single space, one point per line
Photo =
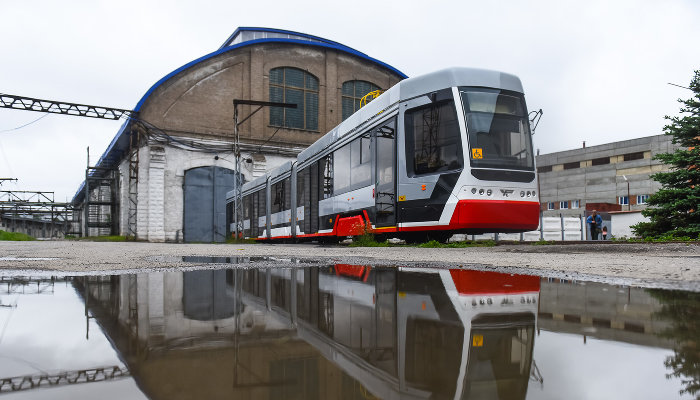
x=246 y=36
x=241 y=37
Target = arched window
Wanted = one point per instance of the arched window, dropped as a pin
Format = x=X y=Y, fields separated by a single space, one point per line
x=353 y=91
x=292 y=85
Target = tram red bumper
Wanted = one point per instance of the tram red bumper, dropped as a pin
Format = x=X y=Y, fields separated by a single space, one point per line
x=496 y=215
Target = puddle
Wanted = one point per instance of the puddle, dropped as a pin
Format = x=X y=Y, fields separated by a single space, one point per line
x=343 y=331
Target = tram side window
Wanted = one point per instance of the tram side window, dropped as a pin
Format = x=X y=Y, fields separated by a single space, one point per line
x=301 y=185
x=360 y=162
x=341 y=172
x=254 y=215
x=246 y=207
x=287 y=193
x=262 y=209
x=353 y=163
x=433 y=140
x=326 y=173
x=247 y=210
x=304 y=197
x=277 y=197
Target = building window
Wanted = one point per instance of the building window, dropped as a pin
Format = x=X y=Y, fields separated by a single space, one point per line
x=352 y=93
x=572 y=165
x=550 y=205
x=575 y=204
x=634 y=156
x=292 y=85
x=623 y=200
x=545 y=168
x=600 y=161
x=563 y=205
x=642 y=198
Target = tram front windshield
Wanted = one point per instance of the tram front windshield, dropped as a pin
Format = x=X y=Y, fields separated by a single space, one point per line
x=498 y=129
x=499 y=359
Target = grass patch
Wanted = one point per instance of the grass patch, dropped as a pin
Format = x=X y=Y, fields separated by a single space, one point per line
x=367 y=240
x=658 y=239
x=15 y=236
x=543 y=242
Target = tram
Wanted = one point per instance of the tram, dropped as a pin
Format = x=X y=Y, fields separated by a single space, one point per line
x=410 y=332
x=442 y=153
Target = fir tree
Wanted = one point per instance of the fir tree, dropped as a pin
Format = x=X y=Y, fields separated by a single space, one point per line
x=673 y=210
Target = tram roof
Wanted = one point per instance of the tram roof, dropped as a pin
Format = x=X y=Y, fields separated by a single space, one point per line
x=410 y=88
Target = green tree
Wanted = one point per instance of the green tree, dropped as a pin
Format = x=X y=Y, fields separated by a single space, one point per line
x=682 y=312
x=673 y=210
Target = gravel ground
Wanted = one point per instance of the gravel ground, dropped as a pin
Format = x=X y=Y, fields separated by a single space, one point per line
x=670 y=265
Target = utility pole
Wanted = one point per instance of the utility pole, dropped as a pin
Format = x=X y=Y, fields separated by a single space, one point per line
x=629 y=199
x=238 y=198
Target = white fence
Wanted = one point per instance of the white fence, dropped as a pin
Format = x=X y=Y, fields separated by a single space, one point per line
x=550 y=228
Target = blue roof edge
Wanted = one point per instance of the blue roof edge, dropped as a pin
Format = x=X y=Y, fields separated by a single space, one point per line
x=283 y=31
x=325 y=44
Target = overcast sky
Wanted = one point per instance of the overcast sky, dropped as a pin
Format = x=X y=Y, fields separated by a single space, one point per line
x=598 y=69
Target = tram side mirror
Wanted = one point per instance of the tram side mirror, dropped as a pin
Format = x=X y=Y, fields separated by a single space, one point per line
x=534 y=117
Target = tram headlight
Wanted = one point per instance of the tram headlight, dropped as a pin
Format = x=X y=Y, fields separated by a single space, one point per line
x=481 y=192
x=489 y=192
x=534 y=193
x=528 y=193
x=522 y=194
x=473 y=190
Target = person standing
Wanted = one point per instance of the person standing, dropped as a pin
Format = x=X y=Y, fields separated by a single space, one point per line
x=595 y=222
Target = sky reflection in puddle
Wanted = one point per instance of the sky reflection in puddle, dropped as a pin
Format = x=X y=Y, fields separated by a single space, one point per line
x=345 y=332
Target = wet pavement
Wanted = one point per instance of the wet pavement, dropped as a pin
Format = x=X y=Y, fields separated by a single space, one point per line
x=342 y=331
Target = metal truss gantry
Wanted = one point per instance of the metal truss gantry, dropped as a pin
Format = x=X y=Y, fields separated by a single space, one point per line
x=27 y=382
x=61 y=107
x=20 y=205
x=93 y=210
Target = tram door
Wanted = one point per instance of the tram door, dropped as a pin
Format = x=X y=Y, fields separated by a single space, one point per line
x=385 y=170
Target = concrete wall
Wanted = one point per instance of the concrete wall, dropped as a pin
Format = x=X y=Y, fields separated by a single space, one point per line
x=601 y=184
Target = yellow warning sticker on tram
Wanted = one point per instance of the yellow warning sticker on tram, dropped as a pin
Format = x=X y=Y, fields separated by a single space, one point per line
x=477 y=153
x=478 y=340
x=402 y=198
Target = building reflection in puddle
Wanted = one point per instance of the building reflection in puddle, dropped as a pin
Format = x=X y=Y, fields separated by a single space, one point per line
x=344 y=331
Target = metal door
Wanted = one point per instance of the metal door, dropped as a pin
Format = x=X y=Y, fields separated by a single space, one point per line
x=205 y=203
x=206 y=296
x=385 y=174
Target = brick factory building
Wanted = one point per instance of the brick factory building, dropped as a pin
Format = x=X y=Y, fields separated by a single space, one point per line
x=165 y=174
